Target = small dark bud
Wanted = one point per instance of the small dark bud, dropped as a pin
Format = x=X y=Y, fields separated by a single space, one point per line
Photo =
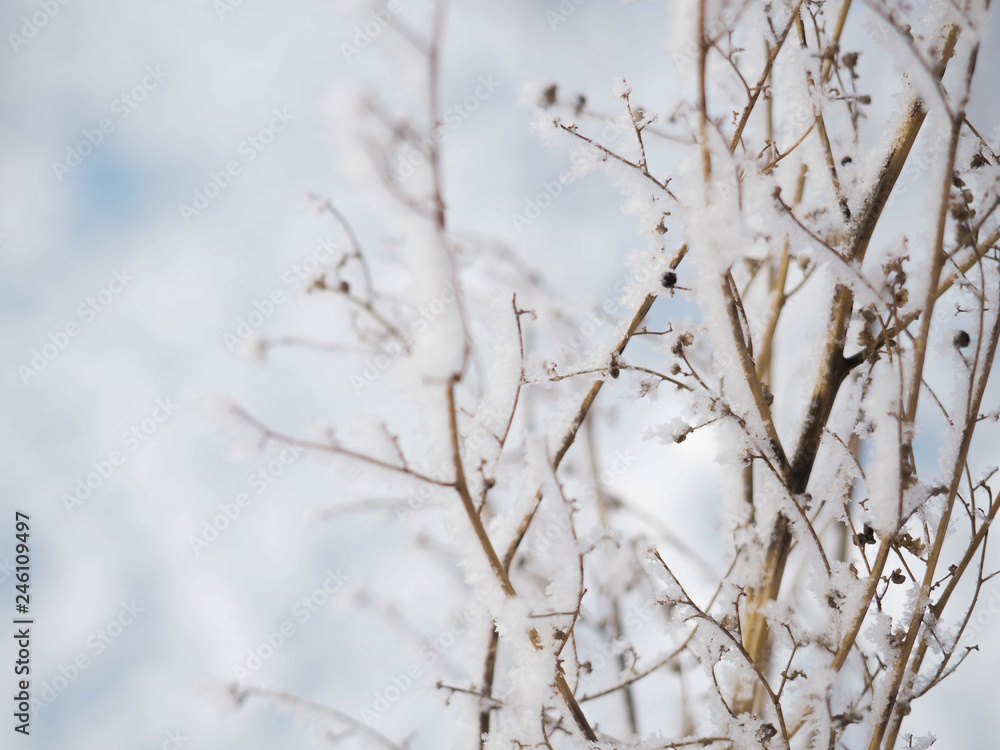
x=867 y=536
x=864 y=99
x=978 y=161
x=845 y=161
x=768 y=396
x=897 y=576
x=961 y=340
x=959 y=210
x=675 y=369
x=549 y=96
x=766 y=732
x=850 y=60
x=615 y=372
x=344 y=287
x=669 y=280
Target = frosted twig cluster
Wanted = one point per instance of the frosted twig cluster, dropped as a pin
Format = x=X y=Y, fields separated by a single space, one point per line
x=840 y=252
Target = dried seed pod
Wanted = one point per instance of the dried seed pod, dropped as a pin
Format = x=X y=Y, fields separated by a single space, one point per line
x=914 y=546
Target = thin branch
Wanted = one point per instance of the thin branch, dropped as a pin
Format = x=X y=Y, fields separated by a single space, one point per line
x=274 y=435
x=241 y=693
